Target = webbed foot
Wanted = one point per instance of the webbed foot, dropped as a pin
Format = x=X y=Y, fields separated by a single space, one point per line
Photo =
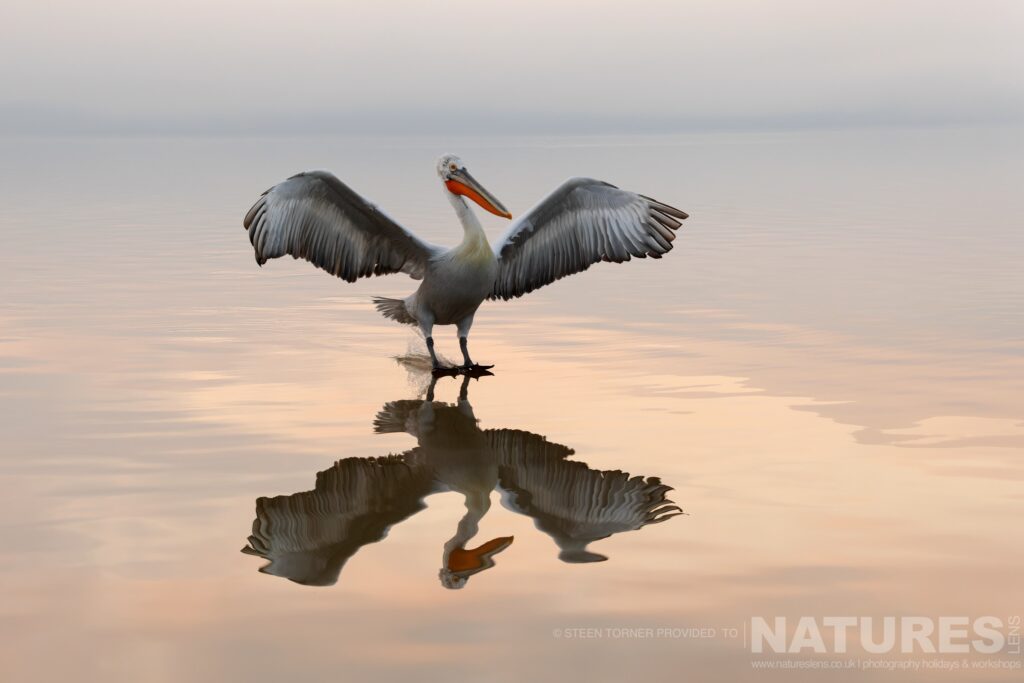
x=442 y=371
x=474 y=370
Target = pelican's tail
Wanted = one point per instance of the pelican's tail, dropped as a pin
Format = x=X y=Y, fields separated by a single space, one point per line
x=394 y=309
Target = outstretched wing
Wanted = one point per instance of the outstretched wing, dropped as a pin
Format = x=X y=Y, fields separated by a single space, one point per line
x=315 y=216
x=571 y=502
x=308 y=536
x=581 y=223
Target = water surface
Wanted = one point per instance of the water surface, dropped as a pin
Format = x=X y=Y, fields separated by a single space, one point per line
x=827 y=371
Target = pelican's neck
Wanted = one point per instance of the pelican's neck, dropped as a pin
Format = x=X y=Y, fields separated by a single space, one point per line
x=473 y=232
x=477 y=505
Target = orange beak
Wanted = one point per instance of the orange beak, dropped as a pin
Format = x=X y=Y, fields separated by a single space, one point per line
x=462 y=183
x=460 y=560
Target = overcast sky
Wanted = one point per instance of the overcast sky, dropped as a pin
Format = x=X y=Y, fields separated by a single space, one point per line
x=315 y=66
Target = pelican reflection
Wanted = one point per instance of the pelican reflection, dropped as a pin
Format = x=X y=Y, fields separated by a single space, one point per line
x=308 y=537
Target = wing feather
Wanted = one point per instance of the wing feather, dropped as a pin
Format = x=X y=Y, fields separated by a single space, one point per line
x=309 y=536
x=316 y=217
x=571 y=502
x=583 y=222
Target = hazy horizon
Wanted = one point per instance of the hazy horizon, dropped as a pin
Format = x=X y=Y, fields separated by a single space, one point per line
x=309 y=67
x=216 y=469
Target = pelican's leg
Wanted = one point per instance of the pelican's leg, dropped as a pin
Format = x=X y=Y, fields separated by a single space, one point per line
x=433 y=356
x=430 y=389
x=468 y=364
x=427 y=327
x=464 y=395
x=464 y=326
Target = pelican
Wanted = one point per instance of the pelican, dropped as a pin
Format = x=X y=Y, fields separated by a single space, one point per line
x=316 y=217
x=308 y=536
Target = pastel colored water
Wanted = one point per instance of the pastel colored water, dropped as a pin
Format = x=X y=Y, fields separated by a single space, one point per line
x=828 y=370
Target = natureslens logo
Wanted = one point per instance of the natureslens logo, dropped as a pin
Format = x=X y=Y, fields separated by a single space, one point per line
x=883 y=635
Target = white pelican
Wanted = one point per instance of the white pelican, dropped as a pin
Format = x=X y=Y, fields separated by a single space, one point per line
x=309 y=536
x=316 y=217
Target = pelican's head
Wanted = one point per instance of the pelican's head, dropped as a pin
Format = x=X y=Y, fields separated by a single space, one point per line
x=458 y=181
x=460 y=563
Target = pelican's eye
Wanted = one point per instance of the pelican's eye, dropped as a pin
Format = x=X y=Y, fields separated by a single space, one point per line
x=453 y=166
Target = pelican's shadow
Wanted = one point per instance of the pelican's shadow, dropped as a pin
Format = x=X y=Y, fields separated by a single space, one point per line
x=307 y=537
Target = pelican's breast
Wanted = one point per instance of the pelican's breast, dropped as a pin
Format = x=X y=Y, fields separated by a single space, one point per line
x=457 y=283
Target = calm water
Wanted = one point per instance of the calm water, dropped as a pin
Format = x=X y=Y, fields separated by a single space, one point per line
x=828 y=372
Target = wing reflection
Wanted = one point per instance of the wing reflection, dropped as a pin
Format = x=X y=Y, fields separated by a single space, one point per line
x=307 y=537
